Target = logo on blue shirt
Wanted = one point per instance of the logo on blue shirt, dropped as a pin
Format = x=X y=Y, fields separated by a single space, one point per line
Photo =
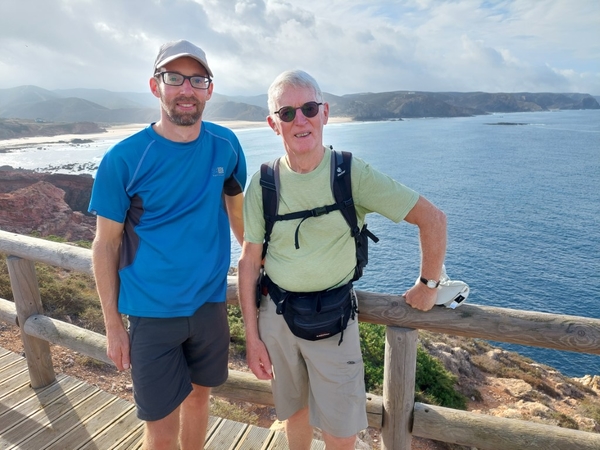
x=218 y=172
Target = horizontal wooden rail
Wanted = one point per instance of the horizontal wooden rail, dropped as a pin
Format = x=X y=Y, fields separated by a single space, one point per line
x=557 y=331
x=466 y=428
x=241 y=386
x=8 y=312
x=52 y=253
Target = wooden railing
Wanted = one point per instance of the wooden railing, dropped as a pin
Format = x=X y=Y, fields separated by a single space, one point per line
x=396 y=413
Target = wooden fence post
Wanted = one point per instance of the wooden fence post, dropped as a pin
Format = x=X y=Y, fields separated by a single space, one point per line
x=26 y=293
x=398 y=387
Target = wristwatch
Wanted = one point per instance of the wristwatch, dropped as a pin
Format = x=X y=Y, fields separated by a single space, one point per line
x=432 y=284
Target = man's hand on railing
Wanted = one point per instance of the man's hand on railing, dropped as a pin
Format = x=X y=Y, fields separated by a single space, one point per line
x=420 y=297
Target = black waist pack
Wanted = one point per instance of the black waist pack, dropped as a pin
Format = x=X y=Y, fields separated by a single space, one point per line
x=315 y=315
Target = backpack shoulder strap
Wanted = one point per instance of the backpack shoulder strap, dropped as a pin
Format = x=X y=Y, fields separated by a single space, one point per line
x=341 y=186
x=269 y=181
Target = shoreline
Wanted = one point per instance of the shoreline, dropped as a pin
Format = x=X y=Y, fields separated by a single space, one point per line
x=125 y=130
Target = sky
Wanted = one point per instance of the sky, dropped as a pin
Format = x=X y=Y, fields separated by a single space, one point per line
x=349 y=46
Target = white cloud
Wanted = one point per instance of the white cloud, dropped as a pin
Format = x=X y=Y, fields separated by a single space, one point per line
x=348 y=45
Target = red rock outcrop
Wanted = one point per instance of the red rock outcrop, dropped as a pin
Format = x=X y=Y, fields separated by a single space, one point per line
x=78 y=188
x=48 y=204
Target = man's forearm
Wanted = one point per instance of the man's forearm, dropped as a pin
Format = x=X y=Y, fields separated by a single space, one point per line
x=105 y=259
x=248 y=272
x=433 y=240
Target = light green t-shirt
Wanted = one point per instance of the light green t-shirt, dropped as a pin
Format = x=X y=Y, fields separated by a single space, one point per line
x=327 y=253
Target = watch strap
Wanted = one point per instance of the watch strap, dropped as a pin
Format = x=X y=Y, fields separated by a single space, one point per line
x=425 y=281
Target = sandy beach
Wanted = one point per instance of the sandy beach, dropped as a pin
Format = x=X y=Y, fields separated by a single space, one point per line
x=122 y=131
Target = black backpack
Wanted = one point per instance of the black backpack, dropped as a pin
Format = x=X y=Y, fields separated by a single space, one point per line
x=341 y=188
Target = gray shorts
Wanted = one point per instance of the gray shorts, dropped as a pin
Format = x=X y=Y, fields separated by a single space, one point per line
x=168 y=355
x=327 y=378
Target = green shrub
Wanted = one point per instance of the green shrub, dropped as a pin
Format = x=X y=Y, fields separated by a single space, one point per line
x=590 y=408
x=372 y=343
x=5 y=289
x=70 y=295
x=435 y=383
x=236 y=329
x=564 y=421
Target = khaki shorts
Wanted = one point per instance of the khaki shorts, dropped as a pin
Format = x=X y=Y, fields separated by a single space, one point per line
x=327 y=378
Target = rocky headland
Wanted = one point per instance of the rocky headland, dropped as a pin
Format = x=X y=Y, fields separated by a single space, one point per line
x=46 y=204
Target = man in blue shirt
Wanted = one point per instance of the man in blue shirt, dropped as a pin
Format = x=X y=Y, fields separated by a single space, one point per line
x=165 y=199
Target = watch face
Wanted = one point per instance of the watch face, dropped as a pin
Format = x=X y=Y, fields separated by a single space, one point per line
x=431 y=284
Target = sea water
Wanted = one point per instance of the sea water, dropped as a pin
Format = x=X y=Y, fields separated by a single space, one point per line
x=521 y=192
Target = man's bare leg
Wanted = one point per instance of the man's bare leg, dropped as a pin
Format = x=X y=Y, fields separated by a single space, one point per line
x=194 y=418
x=162 y=434
x=298 y=430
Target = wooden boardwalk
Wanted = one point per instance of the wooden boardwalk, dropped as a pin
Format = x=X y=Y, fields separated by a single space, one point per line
x=71 y=414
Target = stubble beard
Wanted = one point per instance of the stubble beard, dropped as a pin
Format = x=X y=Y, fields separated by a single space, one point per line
x=183 y=119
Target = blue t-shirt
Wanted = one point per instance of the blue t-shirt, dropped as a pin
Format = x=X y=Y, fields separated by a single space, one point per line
x=175 y=252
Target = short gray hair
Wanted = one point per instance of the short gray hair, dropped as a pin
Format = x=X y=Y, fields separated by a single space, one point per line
x=292 y=78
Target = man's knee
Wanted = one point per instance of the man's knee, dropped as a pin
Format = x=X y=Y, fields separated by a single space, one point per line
x=162 y=434
x=299 y=416
x=199 y=397
x=339 y=443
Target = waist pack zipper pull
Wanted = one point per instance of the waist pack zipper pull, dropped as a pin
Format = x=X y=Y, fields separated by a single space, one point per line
x=342 y=328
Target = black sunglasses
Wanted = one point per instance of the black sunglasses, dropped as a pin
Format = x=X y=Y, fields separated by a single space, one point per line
x=288 y=113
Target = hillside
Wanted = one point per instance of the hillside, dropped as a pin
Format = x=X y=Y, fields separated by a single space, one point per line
x=18 y=128
x=105 y=107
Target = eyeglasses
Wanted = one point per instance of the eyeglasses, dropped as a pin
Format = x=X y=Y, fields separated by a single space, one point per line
x=288 y=113
x=177 y=79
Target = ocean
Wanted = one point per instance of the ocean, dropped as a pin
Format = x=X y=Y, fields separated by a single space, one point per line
x=521 y=192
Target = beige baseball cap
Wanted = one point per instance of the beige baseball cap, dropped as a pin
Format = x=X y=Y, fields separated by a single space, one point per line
x=171 y=51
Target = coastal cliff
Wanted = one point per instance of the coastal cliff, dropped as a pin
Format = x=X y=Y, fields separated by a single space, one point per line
x=46 y=204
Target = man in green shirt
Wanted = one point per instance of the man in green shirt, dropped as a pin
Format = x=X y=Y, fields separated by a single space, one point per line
x=319 y=383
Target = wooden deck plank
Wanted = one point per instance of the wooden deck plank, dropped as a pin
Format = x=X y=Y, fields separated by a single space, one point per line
x=254 y=438
x=10 y=368
x=213 y=425
x=279 y=442
x=71 y=414
x=6 y=357
x=18 y=391
x=24 y=402
x=87 y=428
x=18 y=381
x=227 y=432
x=132 y=441
x=116 y=432
x=40 y=415
x=317 y=445
x=61 y=427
